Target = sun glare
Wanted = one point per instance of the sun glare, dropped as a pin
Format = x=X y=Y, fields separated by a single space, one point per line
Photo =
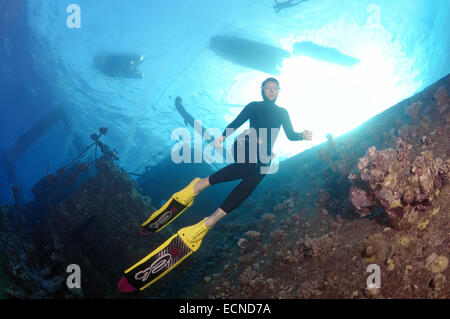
x=327 y=98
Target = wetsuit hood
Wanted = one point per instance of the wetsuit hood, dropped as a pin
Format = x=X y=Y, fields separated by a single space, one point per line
x=265 y=98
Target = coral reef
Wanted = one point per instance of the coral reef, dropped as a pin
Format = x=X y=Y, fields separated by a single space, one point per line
x=395 y=176
x=379 y=196
x=403 y=189
x=442 y=99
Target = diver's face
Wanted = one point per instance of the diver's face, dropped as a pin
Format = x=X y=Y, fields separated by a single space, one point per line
x=271 y=90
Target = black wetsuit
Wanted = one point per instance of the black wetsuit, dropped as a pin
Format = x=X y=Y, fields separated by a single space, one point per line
x=265 y=114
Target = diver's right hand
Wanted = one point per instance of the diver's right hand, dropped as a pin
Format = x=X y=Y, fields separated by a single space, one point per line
x=218 y=141
x=307 y=135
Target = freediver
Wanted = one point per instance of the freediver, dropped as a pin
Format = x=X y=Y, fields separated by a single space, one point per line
x=250 y=169
x=262 y=115
x=285 y=4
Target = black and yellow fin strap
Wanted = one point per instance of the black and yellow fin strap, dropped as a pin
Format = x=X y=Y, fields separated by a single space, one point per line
x=157 y=213
x=154 y=252
x=168 y=270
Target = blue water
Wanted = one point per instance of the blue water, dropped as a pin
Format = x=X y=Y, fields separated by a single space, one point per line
x=44 y=64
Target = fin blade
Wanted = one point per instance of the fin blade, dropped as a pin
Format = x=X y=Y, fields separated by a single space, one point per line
x=167 y=271
x=157 y=213
x=124 y=286
x=157 y=264
x=154 y=252
x=173 y=208
x=164 y=216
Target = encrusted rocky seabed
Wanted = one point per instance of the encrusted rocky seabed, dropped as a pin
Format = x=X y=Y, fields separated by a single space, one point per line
x=384 y=199
x=377 y=195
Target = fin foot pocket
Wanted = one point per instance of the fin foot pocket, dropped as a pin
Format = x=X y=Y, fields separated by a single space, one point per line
x=193 y=235
x=186 y=195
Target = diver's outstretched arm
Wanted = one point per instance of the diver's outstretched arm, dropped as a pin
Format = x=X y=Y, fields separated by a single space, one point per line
x=295 y=3
x=276 y=6
x=286 y=4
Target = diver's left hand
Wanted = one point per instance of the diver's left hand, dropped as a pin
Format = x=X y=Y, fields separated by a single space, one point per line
x=307 y=135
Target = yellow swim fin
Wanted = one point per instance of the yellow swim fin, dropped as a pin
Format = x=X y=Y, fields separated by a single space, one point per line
x=192 y=236
x=164 y=258
x=174 y=207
